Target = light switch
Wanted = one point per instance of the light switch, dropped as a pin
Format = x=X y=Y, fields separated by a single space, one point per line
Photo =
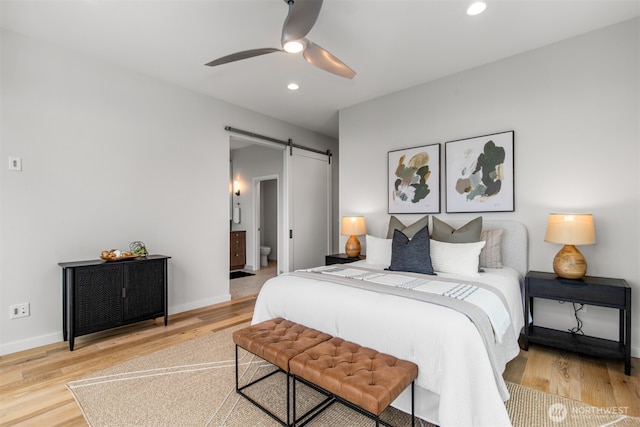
x=15 y=164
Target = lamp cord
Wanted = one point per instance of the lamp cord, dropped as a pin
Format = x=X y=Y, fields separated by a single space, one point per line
x=577 y=330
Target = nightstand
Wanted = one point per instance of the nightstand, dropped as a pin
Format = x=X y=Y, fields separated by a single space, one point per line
x=599 y=291
x=341 y=259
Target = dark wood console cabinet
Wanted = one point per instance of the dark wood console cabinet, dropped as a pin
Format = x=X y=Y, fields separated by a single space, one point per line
x=99 y=295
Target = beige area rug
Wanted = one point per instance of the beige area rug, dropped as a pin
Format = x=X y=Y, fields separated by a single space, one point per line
x=193 y=384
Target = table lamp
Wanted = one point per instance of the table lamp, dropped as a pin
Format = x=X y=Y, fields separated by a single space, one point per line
x=570 y=230
x=353 y=226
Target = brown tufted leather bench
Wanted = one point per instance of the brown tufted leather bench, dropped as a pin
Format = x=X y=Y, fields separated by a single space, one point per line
x=277 y=341
x=362 y=378
x=355 y=375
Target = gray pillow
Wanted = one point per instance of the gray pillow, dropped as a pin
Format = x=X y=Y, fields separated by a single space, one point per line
x=468 y=233
x=409 y=231
x=411 y=255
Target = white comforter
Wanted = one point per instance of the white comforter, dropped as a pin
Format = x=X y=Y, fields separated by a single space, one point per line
x=455 y=384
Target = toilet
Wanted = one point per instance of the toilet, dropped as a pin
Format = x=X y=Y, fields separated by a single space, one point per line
x=264 y=251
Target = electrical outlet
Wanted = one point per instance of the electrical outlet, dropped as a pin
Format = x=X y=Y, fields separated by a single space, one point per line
x=19 y=310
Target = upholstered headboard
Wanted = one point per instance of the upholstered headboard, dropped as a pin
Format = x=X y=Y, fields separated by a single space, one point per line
x=515 y=241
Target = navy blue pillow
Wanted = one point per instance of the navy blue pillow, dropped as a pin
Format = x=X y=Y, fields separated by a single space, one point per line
x=411 y=255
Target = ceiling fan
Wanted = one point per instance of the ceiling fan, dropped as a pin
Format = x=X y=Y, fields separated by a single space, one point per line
x=300 y=19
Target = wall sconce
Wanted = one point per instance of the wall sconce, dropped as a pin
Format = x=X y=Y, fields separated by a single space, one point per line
x=570 y=230
x=236 y=187
x=353 y=226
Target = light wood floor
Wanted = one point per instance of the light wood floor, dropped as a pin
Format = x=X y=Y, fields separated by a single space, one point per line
x=32 y=382
x=250 y=285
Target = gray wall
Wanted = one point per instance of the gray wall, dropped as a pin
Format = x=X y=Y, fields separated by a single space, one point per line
x=110 y=156
x=574 y=108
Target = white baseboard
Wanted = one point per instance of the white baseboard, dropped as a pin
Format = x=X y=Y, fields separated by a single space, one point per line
x=199 y=304
x=16 y=346
x=55 y=337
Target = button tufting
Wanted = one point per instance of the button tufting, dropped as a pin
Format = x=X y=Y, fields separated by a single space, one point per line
x=310 y=354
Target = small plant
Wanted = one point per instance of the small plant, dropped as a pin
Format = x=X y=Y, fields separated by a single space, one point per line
x=138 y=248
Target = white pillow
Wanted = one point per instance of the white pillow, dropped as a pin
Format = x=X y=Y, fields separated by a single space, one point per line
x=491 y=255
x=456 y=258
x=378 y=251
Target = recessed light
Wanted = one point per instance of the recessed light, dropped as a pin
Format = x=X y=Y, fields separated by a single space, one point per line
x=476 y=8
x=293 y=86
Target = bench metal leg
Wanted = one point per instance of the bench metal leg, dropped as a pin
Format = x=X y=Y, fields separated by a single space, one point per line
x=236 y=368
x=316 y=410
x=240 y=391
x=288 y=400
x=331 y=398
x=413 y=413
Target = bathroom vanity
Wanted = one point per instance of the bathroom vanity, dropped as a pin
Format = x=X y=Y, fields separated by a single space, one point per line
x=238 y=250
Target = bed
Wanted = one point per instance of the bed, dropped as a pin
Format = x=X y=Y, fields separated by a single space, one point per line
x=459 y=381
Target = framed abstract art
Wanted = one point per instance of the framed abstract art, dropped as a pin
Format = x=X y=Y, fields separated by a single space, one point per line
x=480 y=174
x=414 y=180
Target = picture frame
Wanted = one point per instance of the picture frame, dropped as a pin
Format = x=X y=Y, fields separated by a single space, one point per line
x=479 y=174
x=413 y=184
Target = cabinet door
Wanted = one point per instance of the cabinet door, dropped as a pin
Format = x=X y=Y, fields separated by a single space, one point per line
x=144 y=289
x=233 y=250
x=97 y=298
x=241 y=257
x=238 y=250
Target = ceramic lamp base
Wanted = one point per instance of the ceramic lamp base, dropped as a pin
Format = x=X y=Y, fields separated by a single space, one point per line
x=569 y=263
x=352 y=247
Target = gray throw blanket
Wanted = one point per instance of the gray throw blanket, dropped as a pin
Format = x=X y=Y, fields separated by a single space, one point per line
x=497 y=352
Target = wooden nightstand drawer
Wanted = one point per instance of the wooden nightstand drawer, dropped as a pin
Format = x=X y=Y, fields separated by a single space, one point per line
x=577 y=291
x=590 y=290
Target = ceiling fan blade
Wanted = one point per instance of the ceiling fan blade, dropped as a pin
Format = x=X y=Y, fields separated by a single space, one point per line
x=301 y=18
x=242 y=55
x=321 y=58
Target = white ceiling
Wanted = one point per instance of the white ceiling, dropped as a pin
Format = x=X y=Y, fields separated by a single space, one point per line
x=391 y=44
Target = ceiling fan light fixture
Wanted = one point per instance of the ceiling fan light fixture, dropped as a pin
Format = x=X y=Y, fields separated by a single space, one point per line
x=293 y=46
x=476 y=8
x=301 y=18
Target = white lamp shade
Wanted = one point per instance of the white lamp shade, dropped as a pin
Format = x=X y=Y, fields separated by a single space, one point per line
x=570 y=229
x=353 y=226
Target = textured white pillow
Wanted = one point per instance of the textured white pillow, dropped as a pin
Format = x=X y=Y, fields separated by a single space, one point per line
x=378 y=251
x=456 y=258
x=491 y=255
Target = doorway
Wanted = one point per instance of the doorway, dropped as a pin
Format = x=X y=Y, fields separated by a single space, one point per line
x=267 y=215
x=303 y=218
x=258 y=169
